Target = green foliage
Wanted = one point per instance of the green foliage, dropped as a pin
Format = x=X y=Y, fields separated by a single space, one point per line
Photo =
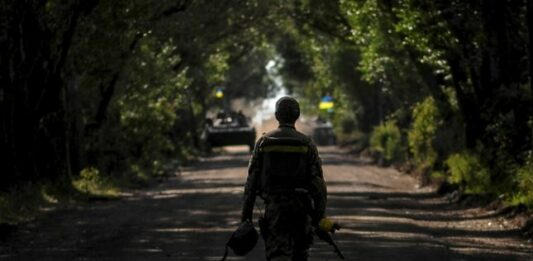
x=91 y=183
x=525 y=183
x=398 y=53
x=124 y=86
x=348 y=132
x=386 y=140
x=216 y=67
x=467 y=170
x=157 y=62
x=420 y=31
x=148 y=112
x=19 y=204
x=22 y=203
x=438 y=176
x=247 y=77
x=372 y=35
x=426 y=122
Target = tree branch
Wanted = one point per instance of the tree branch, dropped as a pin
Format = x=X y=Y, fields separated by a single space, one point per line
x=82 y=7
x=108 y=92
x=179 y=7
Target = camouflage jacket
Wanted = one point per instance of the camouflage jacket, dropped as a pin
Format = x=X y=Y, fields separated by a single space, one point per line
x=316 y=186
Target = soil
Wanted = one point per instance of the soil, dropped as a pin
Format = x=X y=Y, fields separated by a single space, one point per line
x=384 y=214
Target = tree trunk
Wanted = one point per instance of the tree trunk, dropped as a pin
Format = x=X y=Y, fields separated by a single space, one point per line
x=530 y=45
x=468 y=104
x=35 y=133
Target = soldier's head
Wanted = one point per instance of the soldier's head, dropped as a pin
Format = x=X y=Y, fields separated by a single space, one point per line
x=287 y=110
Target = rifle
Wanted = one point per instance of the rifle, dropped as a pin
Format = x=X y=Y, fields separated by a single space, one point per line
x=328 y=238
x=323 y=234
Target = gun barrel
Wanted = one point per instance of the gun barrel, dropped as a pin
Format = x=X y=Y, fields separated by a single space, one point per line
x=338 y=251
x=326 y=237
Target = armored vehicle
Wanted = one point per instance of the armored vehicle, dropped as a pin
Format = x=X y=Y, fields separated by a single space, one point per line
x=229 y=128
x=322 y=133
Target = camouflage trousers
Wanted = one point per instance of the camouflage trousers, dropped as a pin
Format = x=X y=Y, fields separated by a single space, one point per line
x=286 y=229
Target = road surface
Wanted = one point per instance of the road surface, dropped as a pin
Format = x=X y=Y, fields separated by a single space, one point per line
x=190 y=216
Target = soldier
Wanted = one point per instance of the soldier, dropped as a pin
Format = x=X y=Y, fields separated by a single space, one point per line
x=285 y=171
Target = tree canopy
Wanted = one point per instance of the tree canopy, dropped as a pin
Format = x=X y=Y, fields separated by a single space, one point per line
x=123 y=86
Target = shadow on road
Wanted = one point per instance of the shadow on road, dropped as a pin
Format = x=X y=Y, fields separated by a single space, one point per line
x=418 y=226
x=191 y=216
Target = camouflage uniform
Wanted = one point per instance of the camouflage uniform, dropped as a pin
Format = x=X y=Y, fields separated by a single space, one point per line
x=292 y=203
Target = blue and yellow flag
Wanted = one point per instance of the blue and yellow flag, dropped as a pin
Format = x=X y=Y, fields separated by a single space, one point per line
x=219 y=93
x=326 y=103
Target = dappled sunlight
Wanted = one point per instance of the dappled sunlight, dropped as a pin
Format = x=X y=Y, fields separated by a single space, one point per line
x=178 y=192
x=127 y=127
x=190 y=217
x=195 y=230
x=379 y=219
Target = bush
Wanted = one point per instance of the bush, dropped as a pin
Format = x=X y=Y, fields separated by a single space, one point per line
x=525 y=183
x=426 y=122
x=19 y=204
x=92 y=183
x=386 y=140
x=467 y=170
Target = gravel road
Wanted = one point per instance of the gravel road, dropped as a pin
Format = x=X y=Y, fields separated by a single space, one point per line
x=190 y=216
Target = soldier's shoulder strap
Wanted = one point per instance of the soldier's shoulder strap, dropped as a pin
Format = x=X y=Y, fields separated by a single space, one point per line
x=285 y=144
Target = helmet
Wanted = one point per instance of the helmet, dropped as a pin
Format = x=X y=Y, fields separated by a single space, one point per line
x=244 y=239
x=287 y=110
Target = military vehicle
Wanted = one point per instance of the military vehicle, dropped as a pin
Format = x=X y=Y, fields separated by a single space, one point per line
x=229 y=128
x=322 y=133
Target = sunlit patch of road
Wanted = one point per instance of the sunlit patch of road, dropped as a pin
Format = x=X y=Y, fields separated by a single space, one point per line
x=190 y=217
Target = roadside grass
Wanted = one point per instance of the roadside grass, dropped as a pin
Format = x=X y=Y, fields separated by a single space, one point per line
x=525 y=182
x=524 y=178
x=23 y=203
x=18 y=205
x=357 y=141
x=92 y=184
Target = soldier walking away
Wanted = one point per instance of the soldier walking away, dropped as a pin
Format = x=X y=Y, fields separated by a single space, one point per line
x=285 y=171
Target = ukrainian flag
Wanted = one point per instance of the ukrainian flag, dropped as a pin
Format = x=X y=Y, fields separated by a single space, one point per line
x=219 y=93
x=326 y=103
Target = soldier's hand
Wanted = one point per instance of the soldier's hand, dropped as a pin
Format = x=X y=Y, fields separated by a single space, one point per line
x=328 y=225
x=336 y=226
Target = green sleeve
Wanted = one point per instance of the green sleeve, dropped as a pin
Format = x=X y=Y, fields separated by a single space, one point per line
x=317 y=190
x=251 y=187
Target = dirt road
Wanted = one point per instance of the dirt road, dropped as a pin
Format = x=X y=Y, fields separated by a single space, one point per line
x=190 y=217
